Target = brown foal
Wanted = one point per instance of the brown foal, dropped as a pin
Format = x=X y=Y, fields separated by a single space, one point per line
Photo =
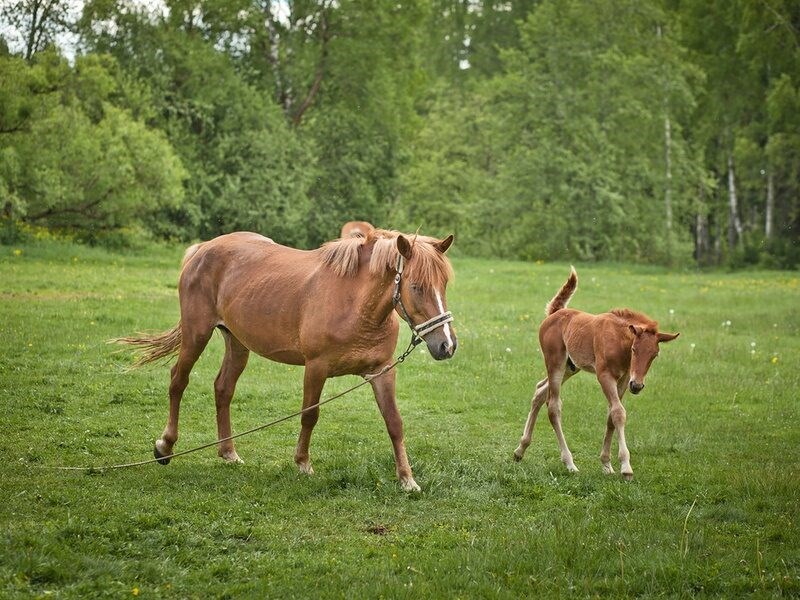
x=356 y=229
x=331 y=310
x=618 y=346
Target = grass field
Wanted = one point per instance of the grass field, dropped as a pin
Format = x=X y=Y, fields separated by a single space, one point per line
x=714 y=439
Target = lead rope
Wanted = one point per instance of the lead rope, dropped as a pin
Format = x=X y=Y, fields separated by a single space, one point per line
x=367 y=379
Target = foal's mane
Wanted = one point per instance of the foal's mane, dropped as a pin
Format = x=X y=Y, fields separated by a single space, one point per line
x=636 y=318
x=427 y=265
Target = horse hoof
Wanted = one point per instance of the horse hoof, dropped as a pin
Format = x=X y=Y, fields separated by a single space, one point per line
x=409 y=485
x=232 y=458
x=518 y=454
x=160 y=458
x=306 y=468
x=608 y=469
x=627 y=476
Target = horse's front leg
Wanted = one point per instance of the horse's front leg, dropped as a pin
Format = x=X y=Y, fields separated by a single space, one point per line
x=384 y=388
x=616 y=417
x=313 y=381
x=605 y=453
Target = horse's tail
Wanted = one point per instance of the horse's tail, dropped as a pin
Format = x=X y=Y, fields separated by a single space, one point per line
x=562 y=298
x=153 y=347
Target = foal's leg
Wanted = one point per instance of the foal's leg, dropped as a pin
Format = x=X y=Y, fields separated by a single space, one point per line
x=555 y=378
x=617 y=415
x=313 y=381
x=384 y=388
x=605 y=453
x=193 y=342
x=232 y=366
x=539 y=396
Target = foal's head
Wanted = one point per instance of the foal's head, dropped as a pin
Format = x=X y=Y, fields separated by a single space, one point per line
x=643 y=351
x=422 y=290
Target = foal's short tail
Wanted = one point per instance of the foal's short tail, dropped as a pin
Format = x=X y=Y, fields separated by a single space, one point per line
x=562 y=298
x=154 y=347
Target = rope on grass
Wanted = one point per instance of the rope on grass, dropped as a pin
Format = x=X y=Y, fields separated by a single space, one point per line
x=367 y=379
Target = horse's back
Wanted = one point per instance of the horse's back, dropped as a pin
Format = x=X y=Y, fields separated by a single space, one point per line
x=234 y=262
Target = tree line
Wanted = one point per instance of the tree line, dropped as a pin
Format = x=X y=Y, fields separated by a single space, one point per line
x=662 y=131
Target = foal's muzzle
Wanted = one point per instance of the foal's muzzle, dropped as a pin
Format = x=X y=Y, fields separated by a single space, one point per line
x=636 y=387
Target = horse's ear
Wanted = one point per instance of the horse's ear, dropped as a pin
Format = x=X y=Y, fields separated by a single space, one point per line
x=404 y=247
x=667 y=337
x=635 y=329
x=444 y=244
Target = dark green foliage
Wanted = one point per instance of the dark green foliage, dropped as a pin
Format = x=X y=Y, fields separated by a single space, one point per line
x=652 y=131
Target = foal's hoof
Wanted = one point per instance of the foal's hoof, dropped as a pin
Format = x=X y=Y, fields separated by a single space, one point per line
x=160 y=456
x=409 y=485
x=518 y=454
x=305 y=468
x=627 y=476
x=608 y=469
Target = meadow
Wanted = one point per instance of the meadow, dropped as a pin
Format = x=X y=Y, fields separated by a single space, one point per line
x=714 y=440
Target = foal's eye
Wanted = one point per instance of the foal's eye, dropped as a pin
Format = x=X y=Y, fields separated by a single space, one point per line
x=416 y=288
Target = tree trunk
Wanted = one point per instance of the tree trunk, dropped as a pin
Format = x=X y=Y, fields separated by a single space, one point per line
x=668 y=182
x=283 y=94
x=734 y=224
x=770 y=211
x=701 y=242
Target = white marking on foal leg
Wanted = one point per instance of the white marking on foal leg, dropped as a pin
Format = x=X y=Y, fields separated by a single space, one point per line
x=446 y=327
x=527 y=433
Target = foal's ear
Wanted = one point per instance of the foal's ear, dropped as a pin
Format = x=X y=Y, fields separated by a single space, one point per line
x=404 y=247
x=667 y=337
x=635 y=329
x=444 y=244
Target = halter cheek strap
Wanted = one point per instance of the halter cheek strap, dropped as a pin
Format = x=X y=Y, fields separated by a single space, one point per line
x=418 y=332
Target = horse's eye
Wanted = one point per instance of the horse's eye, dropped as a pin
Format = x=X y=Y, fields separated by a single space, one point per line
x=416 y=288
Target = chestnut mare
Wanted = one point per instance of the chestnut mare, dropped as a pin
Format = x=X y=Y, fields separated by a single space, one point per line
x=356 y=229
x=329 y=309
x=618 y=346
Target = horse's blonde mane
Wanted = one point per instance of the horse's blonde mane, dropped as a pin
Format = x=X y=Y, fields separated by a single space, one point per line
x=636 y=318
x=427 y=265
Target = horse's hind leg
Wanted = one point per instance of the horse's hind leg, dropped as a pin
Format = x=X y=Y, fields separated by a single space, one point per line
x=556 y=377
x=313 y=381
x=193 y=342
x=225 y=384
x=539 y=398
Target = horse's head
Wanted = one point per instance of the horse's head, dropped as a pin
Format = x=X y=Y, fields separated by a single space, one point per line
x=420 y=292
x=643 y=351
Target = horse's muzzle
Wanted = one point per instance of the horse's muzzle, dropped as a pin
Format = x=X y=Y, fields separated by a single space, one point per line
x=443 y=350
x=636 y=387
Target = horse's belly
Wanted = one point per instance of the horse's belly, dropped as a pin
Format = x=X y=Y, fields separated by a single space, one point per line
x=288 y=357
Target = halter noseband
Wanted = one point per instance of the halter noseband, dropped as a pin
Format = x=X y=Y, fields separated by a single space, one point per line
x=418 y=332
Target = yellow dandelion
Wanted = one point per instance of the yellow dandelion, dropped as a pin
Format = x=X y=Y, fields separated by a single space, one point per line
x=135 y=591
x=17 y=252
x=774 y=360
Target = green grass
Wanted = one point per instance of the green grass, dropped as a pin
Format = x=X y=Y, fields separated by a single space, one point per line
x=715 y=444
